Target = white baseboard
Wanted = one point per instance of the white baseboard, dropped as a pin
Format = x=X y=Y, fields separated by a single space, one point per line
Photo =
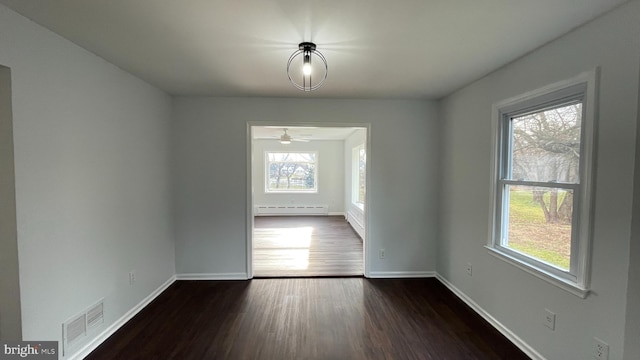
x=95 y=342
x=400 y=274
x=220 y=276
x=528 y=350
x=336 y=213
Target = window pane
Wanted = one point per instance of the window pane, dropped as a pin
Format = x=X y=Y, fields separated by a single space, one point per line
x=546 y=145
x=540 y=223
x=362 y=175
x=291 y=171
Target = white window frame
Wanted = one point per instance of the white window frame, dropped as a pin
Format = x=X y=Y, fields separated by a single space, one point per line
x=583 y=87
x=355 y=175
x=285 y=191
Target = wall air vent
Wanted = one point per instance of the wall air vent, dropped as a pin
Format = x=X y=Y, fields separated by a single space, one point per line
x=76 y=329
x=73 y=330
x=95 y=315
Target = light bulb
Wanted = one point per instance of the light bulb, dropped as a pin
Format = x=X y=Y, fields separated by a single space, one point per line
x=306 y=67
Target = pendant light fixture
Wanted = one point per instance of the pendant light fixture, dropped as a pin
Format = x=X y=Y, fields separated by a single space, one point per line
x=304 y=78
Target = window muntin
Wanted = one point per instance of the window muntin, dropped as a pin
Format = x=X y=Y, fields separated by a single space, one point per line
x=541 y=181
x=291 y=172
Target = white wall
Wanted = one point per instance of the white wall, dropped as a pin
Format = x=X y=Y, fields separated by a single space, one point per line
x=513 y=297
x=92 y=179
x=355 y=214
x=210 y=210
x=632 y=328
x=10 y=319
x=330 y=172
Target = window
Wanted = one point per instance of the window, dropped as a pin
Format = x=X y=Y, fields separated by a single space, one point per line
x=358 y=175
x=544 y=143
x=292 y=172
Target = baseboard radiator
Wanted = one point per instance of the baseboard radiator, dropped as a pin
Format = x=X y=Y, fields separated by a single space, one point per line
x=355 y=221
x=291 y=210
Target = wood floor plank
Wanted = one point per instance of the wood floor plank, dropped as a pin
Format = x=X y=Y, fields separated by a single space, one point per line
x=305 y=246
x=308 y=318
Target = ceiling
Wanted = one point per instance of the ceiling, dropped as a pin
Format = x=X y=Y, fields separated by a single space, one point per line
x=375 y=48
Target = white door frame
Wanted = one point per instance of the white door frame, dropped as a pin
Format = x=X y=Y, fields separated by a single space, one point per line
x=250 y=207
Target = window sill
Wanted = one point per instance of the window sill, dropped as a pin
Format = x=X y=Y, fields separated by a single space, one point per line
x=564 y=284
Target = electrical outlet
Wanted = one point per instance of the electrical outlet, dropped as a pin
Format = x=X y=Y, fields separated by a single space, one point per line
x=381 y=253
x=132 y=277
x=549 y=319
x=600 y=349
x=469 y=269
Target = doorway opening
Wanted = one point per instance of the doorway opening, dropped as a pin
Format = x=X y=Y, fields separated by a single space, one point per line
x=307 y=200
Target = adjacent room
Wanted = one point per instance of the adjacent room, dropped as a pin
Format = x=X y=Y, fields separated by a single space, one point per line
x=281 y=179
x=308 y=194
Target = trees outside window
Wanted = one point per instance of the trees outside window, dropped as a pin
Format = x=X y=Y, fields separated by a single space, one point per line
x=359 y=175
x=290 y=172
x=541 y=175
x=544 y=148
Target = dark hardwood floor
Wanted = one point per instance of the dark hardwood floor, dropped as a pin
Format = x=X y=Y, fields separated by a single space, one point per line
x=305 y=246
x=307 y=318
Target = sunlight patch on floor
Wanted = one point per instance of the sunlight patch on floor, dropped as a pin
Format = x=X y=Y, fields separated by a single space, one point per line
x=298 y=237
x=292 y=243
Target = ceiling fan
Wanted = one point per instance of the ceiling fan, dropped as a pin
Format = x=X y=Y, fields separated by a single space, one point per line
x=287 y=139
